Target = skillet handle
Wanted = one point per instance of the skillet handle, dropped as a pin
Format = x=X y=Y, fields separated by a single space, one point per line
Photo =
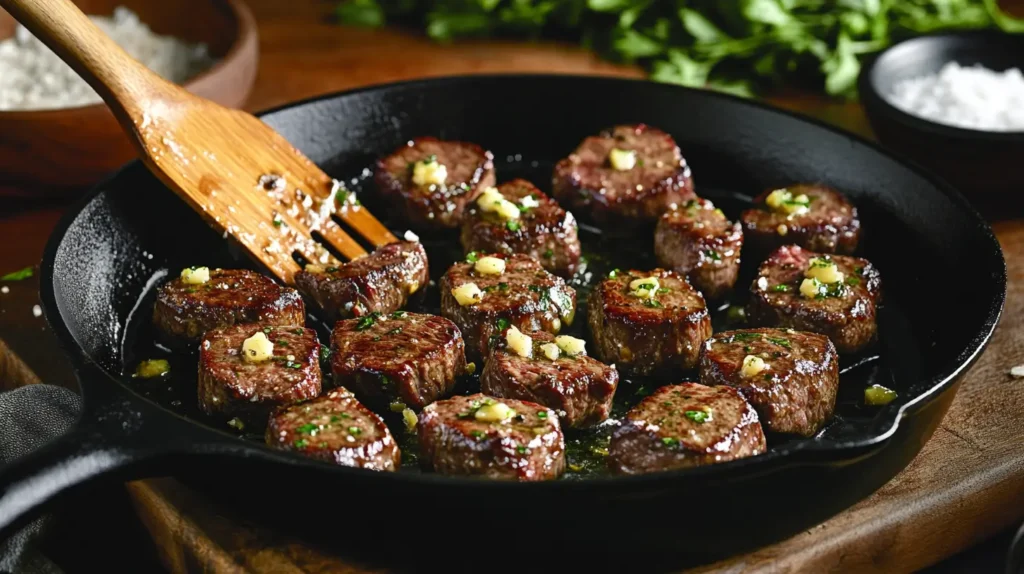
x=118 y=434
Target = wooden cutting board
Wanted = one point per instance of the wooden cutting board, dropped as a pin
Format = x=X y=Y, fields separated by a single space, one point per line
x=966 y=485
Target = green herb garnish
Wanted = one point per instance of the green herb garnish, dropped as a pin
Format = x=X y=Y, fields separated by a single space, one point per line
x=477 y=434
x=653 y=303
x=780 y=341
x=325 y=353
x=670 y=441
x=512 y=225
x=614 y=273
x=522 y=449
x=308 y=428
x=542 y=415
x=697 y=416
x=712 y=255
x=18 y=275
x=367 y=321
x=399 y=315
x=853 y=281
x=472 y=257
x=781 y=288
x=355 y=431
x=549 y=254
x=301 y=443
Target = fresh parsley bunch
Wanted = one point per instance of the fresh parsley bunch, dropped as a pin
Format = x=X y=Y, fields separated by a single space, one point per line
x=738 y=46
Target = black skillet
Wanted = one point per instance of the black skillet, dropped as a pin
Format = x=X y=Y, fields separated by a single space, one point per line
x=942 y=269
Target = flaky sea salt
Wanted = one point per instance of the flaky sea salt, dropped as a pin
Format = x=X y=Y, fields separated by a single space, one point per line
x=972 y=97
x=32 y=77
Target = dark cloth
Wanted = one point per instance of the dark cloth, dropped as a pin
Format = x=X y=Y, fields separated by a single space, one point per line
x=30 y=416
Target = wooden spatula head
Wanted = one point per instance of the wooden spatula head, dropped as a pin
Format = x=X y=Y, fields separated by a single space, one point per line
x=242 y=176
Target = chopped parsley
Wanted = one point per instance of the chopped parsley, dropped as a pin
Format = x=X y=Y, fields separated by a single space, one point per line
x=780 y=341
x=325 y=353
x=308 y=428
x=477 y=434
x=432 y=158
x=367 y=321
x=549 y=254
x=503 y=324
x=664 y=290
x=267 y=330
x=853 y=281
x=301 y=443
x=512 y=225
x=399 y=315
x=384 y=380
x=292 y=365
x=670 y=441
x=697 y=416
x=653 y=304
x=472 y=257
x=743 y=337
x=277 y=223
x=712 y=255
x=781 y=288
x=614 y=273
x=18 y=275
x=522 y=449
x=858 y=270
x=355 y=431
x=298 y=331
x=542 y=415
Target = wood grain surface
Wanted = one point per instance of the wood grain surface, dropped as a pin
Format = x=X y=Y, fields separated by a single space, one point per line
x=967 y=483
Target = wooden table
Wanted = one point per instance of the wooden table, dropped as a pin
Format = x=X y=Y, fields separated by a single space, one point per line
x=967 y=483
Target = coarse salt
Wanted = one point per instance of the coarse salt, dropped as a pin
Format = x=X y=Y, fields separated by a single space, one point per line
x=32 y=77
x=972 y=97
x=37 y=311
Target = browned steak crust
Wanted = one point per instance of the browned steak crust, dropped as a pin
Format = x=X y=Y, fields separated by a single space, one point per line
x=401 y=358
x=847 y=314
x=183 y=312
x=661 y=178
x=525 y=296
x=545 y=232
x=830 y=225
x=580 y=389
x=335 y=428
x=685 y=425
x=796 y=391
x=642 y=335
x=529 y=446
x=381 y=282
x=697 y=240
x=231 y=387
x=470 y=170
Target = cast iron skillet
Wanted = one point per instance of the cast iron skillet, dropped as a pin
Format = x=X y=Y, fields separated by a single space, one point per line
x=942 y=269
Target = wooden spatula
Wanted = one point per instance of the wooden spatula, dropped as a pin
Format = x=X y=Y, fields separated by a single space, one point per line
x=244 y=178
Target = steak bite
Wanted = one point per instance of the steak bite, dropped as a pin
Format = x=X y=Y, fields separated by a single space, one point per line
x=697 y=240
x=554 y=372
x=815 y=217
x=647 y=322
x=335 y=428
x=430 y=181
x=488 y=293
x=245 y=371
x=790 y=377
x=201 y=299
x=685 y=425
x=834 y=295
x=519 y=218
x=404 y=358
x=381 y=282
x=500 y=439
x=629 y=172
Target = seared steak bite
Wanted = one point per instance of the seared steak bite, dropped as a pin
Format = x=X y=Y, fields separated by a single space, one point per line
x=490 y=292
x=685 y=425
x=815 y=217
x=554 y=372
x=430 y=181
x=381 y=282
x=697 y=240
x=402 y=359
x=500 y=439
x=519 y=218
x=630 y=173
x=790 y=377
x=201 y=299
x=834 y=295
x=335 y=428
x=245 y=371
x=647 y=322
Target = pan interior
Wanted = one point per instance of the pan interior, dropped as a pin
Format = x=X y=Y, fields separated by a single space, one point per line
x=941 y=268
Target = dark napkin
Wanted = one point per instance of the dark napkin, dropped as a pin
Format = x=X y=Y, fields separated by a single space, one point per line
x=29 y=417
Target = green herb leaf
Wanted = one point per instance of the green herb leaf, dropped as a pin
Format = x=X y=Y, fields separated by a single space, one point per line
x=780 y=341
x=301 y=443
x=361 y=13
x=367 y=321
x=472 y=257
x=697 y=416
x=670 y=441
x=307 y=428
x=512 y=225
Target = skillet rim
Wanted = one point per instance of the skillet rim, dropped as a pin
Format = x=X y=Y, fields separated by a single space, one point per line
x=804 y=452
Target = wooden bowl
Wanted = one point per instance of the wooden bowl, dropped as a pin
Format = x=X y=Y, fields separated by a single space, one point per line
x=51 y=153
x=982 y=164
